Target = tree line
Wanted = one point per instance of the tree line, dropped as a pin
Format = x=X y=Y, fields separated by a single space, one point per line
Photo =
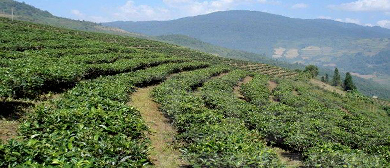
x=347 y=84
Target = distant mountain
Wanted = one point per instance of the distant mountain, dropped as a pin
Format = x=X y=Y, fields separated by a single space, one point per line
x=253 y=31
x=196 y=44
x=321 y=42
x=365 y=86
x=25 y=12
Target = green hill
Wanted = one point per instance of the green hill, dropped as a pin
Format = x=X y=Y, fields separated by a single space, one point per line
x=365 y=86
x=326 y=43
x=29 y=13
x=223 y=52
x=69 y=103
x=256 y=32
x=25 y=12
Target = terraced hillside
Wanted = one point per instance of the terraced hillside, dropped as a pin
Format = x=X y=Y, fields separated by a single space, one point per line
x=78 y=99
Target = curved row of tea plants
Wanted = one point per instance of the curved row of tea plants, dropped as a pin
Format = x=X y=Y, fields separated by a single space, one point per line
x=90 y=125
x=218 y=96
x=35 y=58
x=311 y=121
x=32 y=76
x=212 y=139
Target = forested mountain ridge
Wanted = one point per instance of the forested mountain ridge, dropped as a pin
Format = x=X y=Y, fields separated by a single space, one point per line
x=366 y=86
x=250 y=28
x=327 y=43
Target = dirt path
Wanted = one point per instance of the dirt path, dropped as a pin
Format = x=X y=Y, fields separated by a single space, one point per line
x=327 y=87
x=163 y=153
x=288 y=158
x=8 y=129
x=271 y=86
x=219 y=76
x=11 y=113
x=236 y=89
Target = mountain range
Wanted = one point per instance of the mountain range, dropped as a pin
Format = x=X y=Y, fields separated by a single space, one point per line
x=326 y=43
x=26 y=12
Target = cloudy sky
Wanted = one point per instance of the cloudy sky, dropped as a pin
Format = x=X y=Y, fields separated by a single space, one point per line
x=363 y=12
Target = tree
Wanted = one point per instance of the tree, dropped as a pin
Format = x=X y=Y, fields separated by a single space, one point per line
x=323 y=79
x=348 y=83
x=336 y=78
x=326 y=78
x=312 y=70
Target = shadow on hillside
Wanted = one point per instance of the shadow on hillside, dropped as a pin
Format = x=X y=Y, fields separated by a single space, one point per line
x=13 y=110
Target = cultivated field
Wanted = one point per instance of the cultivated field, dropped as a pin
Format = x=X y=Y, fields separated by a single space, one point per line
x=79 y=99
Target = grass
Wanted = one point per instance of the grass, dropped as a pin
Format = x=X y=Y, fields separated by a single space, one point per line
x=163 y=152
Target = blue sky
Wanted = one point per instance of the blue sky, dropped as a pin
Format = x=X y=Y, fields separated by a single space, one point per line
x=363 y=12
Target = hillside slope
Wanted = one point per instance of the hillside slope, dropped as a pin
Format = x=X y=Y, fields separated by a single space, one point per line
x=90 y=120
x=29 y=13
x=254 y=31
x=25 y=12
x=326 y=43
x=365 y=86
x=196 y=44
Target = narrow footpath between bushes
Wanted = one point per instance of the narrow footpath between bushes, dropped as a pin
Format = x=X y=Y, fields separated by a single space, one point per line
x=271 y=86
x=290 y=159
x=163 y=152
x=236 y=89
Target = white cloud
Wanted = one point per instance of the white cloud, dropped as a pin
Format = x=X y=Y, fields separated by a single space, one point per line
x=346 y=20
x=324 y=17
x=349 y=20
x=272 y=2
x=179 y=8
x=195 y=7
x=300 y=6
x=176 y=1
x=364 y=5
x=98 y=19
x=77 y=13
x=131 y=11
x=369 y=25
x=171 y=9
x=384 y=23
x=81 y=16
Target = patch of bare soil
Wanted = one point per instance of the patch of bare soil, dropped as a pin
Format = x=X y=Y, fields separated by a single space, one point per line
x=289 y=158
x=345 y=110
x=163 y=153
x=236 y=89
x=271 y=86
x=10 y=113
x=219 y=76
x=327 y=87
x=8 y=129
x=295 y=93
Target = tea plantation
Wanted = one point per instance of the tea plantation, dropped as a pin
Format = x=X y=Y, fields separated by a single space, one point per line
x=79 y=85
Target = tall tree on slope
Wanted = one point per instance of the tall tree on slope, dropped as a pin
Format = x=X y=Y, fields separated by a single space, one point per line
x=348 y=83
x=336 y=78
